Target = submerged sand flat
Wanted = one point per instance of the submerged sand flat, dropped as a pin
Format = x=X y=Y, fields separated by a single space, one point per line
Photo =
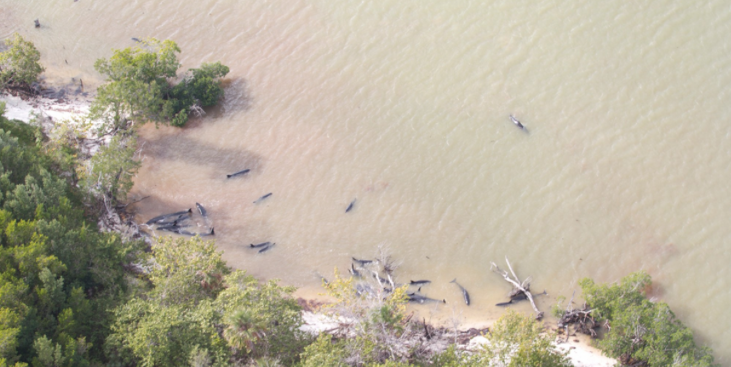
x=404 y=106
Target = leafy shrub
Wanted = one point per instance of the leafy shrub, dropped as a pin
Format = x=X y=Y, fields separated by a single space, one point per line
x=324 y=352
x=200 y=311
x=19 y=63
x=58 y=276
x=642 y=331
x=109 y=174
x=516 y=340
x=140 y=86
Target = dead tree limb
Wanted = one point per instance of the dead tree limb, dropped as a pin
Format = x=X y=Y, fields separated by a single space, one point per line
x=522 y=287
x=569 y=308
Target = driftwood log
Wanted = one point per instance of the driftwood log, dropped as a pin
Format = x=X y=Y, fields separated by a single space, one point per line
x=581 y=319
x=520 y=289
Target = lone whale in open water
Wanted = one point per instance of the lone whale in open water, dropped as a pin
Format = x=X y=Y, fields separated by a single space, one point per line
x=238 y=173
x=259 y=200
x=350 y=207
x=518 y=124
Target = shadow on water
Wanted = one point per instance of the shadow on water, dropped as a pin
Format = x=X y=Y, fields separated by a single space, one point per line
x=236 y=99
x=178 y=147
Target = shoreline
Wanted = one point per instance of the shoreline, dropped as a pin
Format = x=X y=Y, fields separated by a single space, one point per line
x=52 y=112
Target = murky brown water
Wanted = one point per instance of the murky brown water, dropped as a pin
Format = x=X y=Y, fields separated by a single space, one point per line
x=404 y=106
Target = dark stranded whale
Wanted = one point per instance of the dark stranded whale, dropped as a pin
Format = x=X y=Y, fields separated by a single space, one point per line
x=259 y=200
x=165 y=216
x=414 y=282
x=239 y=173
x=518 y=124
x=260 y=245
x=354 y=271
x=363 y=262
x=350 y=207
x=267 y=248
x=413 y=297
x=201 y=210
x=464 y=292
x=186 y=233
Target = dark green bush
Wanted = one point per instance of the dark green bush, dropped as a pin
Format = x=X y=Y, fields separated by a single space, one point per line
x=141 y=86
x=642 y=331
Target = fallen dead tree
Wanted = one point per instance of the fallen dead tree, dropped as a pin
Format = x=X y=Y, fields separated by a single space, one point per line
x=520 y=289
x=581 y=318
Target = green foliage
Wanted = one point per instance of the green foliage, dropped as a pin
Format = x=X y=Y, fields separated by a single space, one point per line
x=558 y=310
x=376 y=324
x=63 y=144
x=111 y=169
x=324 y=352
x=186 y=271
x=244 y=330
x=148 y=333
x=271 y=311
x=25 y=133
x=199 y=312
x=140 y=87
x=450 y=358
x=9 y=330
x=58 y=276
x=642 y=331
x=19 y=63
x=516 y=341
x=200 y=86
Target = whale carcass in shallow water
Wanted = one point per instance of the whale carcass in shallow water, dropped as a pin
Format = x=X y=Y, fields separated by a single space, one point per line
x=201 y=210
x=415 y=282
x=160 y=218
x=413 y=297
x=464 y=292
x=354 y=271
x=363 y=262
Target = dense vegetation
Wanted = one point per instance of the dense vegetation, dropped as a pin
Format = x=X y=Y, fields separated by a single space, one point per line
x=19 y=63
x=71 y=295
x=140 y=86
x=642 y=332
x=59 y=274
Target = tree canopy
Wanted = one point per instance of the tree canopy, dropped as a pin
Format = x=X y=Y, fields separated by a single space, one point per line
x=642 y=331
x=141 y=85
x=19 y=63
x=58 y=275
